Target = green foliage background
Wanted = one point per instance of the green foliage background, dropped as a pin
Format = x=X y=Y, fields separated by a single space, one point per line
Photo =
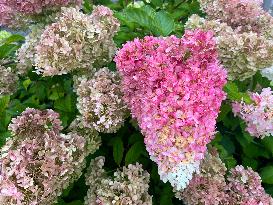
x=158 y=18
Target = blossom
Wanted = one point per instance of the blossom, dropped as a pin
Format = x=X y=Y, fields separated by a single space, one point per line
x=241 y=15
x=128 y=186
x=77 y=41
x=100 y=101
x=257 y=115
x=245 y=188
x=8 y=80
x=242 y=54
x=26 y=53
x=173 y=87
x=93 y=140
x=38 y=162
x=14 y=13
x=209 y=186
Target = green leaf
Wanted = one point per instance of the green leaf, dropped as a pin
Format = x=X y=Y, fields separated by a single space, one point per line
x=4 y=102
x=56 y=93
x=134 y=153
x=255 y=151
x=268 y=143
x=250 y=162
x=87 y=6
x=244 y=139
x=166 y=196
x=267 y=174
x=38 y=89
x=65 y=104
x=234 y=94
x=13 y=38
x=157 y=3
x=26 y=83
x=225 y=109
x=3 y=137
x=77 y=202
x=230 y=162
x=139 y=16
x=7 y=49
x=118 y=150
x=228 y=144
x=268 y=189
x=232 y=91
x=136 y=137
x=163 y=23
x=148 y=10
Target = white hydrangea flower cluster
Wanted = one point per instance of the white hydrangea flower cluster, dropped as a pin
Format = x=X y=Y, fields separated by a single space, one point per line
x=100 y=101
x=129 y=185
x=77 y=41
x=181 y=174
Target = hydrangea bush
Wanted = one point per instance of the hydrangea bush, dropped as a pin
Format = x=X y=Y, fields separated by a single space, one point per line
x=136 y=103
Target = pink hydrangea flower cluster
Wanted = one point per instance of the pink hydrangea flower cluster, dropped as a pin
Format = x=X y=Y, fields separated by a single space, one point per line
x=38 y=162
x=174 y=87
x=14 y=12
x=242 y=186
x=77 y=41
x=258 y=115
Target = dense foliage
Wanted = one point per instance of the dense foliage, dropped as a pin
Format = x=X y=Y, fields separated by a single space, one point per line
x=119 y=104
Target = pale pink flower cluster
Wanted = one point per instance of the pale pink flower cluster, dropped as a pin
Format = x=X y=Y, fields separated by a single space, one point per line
x=16 y=12
x=241 y=15
x=128 y=186
x=8 y=80
x=245 y=188
x=100 y=101
x=77 y=42
x=242 y=187
x=243 y=32
x=38 y=162
x=257 y=115
x=174 y=87
x=209 y=186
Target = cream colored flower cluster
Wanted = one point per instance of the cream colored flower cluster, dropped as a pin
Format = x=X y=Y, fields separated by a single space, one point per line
x=77 y=42
x=26 y=54
x=242 y=186
x=243 y=32
x=129 y=185
x=100 y=101
x=39 y=162
x=8 y=80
